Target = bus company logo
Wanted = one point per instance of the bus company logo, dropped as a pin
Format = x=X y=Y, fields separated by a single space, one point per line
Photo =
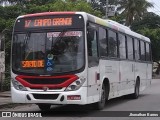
x=45 y=88
x=6 y=114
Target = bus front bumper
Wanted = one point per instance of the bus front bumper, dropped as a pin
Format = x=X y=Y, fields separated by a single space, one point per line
x=65 y=97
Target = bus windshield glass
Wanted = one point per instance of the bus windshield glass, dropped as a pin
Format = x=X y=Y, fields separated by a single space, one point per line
x=48 y=52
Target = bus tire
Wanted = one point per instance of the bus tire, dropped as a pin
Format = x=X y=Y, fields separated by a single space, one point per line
x=44 y=106
x=101 y=104
x=135 y=95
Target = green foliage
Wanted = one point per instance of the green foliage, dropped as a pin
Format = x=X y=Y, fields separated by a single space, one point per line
x=77 y=5
x=119 y=18
x=133 y=9
x=39 y=2
x=2 y=24
x=149 y=20
x=11 y=12
x=36 y=9
x=154 y=35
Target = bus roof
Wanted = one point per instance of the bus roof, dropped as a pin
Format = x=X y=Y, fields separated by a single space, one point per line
x=108 y=23
x=114 y=25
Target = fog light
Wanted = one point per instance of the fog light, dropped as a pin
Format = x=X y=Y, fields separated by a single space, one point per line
x=73 y=87
x=78 y=82
x=73 y=97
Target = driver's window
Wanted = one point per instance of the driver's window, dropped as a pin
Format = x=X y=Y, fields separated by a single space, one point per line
x=92 y=46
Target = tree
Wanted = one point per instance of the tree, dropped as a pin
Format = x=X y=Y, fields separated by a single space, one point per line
x=39 y=2
x=149 y=20
x=101 y=4
x=133 y=9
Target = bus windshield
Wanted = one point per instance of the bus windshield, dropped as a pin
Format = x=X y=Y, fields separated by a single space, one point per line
x=48 y=52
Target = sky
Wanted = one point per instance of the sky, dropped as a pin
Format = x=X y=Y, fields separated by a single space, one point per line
x=156 y=8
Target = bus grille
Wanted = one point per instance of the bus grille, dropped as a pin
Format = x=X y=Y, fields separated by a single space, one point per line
x=51 y=82
x=46 y=96
x=45 y=80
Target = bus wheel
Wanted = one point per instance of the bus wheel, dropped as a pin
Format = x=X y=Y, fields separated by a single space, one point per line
x=101 y=104
x=135 y=95
x=44 y=106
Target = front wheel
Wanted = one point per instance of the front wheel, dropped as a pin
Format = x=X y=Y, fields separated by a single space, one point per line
x=101 y=104
x=44 y=106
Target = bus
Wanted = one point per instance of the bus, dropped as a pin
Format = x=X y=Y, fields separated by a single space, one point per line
x=76 y=58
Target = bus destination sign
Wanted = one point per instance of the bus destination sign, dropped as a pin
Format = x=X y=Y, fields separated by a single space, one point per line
x=58 y=22
x=48 y=22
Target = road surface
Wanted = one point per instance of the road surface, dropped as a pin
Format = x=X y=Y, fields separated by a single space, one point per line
x=149 y=100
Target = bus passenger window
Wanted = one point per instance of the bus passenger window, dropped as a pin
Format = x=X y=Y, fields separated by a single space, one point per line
x=130 y=47
x=102 y=42
x=92 y=47
x=137 y=50
x=143 y=56
x=122 y=46
x=148 y=52
x=112 y=44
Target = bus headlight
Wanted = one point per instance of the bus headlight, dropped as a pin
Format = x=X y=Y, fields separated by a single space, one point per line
x=18 y=86
x=76 y=84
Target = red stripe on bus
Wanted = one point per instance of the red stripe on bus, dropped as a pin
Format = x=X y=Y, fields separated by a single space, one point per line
x=48 y=13
x=71 y=78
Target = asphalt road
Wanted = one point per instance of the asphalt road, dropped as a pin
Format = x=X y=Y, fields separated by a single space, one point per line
x=149 y=100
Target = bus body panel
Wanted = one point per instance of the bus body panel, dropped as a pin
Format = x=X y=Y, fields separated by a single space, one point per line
x=93 y=84
x=110 y=69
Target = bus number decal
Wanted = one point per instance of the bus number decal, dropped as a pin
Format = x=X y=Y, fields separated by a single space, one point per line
x=27 y=23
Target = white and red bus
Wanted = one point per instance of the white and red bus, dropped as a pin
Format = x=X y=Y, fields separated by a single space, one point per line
x=76 y=58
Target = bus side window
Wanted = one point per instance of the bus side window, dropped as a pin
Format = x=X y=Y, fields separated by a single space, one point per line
x=148 y=54
x=102 y=42
x=143 y=57
x=137 y=49
x=122 y=46
x=112 y=44
x=130 y=47
x=92 y=47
